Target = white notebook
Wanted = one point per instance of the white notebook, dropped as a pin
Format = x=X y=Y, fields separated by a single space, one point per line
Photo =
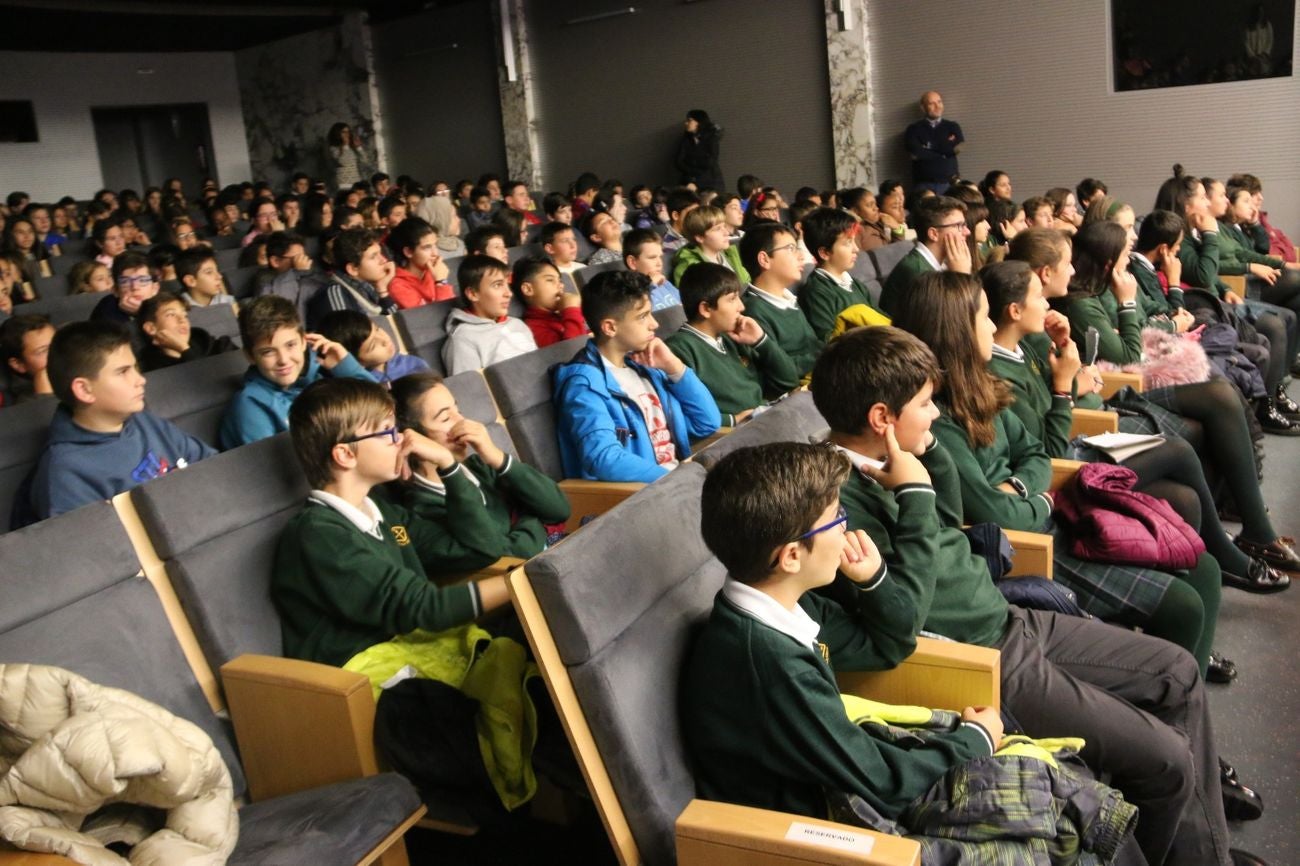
x=1121 y=446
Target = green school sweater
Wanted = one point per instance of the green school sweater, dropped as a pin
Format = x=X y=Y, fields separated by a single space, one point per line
x=765 y=725
x=1156 y=307
x=926 y=551
x=1046 y=416
x=1236 y=252
x=900 y=279
x=1119 y=332
x=1200 y=260
x=739 y=377
x=788 y=327
x=822 y=300
x=504 y=515
x=340 y=590
x=1015 y=453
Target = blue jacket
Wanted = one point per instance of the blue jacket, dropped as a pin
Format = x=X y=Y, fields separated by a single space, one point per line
x=81 y=466
x=401 y=364
x=261 y=408
x=603 y=434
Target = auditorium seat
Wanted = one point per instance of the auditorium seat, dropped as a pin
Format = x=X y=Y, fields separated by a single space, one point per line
x=24 y=430
x=424 y=330
x=76 y=249
x=65 y=309
x=194 y=395
x=55 y=286
x=228 y=260
x=239 y=281
x=887 y=257
x=453 y=266
x=794 y=419
x=60 y=266
x=218 y=320
x=582 y=277
x=668 y=320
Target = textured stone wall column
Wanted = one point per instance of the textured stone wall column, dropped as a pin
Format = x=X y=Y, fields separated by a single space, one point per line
x=848 y=54
x=518 y=101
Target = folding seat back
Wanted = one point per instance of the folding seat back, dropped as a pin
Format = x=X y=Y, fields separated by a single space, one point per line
x=887 y=257
x=794 y=419
x=228 y=260
x=585 y=248
x=24 y=430
x=240 y=282
x=582 y=277
x=874 y=288
x=215 y=525
x=864 y=268
x=523 y=391
x=225 y=242
x=669 y=319
x=76 y=249
x=62 y=310
x=425 y=330
x=60 y=266
x=520 y=251
x=194 y=396
x=218 y=320
x=55 y=286
x=474 y=400
x=75 y=598
x=453 y=265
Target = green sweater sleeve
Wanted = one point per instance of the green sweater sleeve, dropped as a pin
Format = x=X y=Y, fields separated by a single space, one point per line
x=777 y=372
x=531 y=491
x=1118 y=342
x=470 y=539
x=821 y=306
x=1200 y=260
x=881 y=634
x=1030 y=461
x=982 y=501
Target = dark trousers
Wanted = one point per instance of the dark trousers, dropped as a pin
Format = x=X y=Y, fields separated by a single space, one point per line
x=1139 y=703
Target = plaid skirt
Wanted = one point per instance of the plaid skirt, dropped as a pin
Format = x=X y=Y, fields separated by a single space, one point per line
x=1148 y=413
x=1107 y=590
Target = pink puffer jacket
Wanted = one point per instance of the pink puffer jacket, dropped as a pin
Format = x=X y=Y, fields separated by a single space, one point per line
x=1109 y=521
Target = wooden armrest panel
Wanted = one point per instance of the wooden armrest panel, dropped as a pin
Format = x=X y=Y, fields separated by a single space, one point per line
x=700 y=444
x=500 y=568
x=1114 y=381
x=1093 y=422
x=593 y=498
x=1236 y=282
x=940 y=674
x=720 y=834
x=299 y=724
x=1034 y=552
x=1062 y=471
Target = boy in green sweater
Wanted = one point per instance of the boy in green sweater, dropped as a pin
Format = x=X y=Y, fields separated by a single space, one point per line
x=832 y=237
x=770 y=252
x=739 y=364
x=762 y=715
x=349 y=569
x=1137 y=701
x=941 y=235
x=485 y=503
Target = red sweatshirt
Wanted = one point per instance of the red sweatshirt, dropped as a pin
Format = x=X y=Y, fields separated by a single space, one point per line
x=548 y=327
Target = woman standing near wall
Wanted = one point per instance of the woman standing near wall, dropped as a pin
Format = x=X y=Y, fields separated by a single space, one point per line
x=697 y=153
x=344 y=156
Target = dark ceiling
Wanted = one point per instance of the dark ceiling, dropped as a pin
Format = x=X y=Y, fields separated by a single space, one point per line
x=177 y=25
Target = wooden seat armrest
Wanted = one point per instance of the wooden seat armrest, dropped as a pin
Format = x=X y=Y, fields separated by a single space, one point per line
x=299 y=724
x=1034 y=552
x=939 y=673
x=1062 y=471
x=720 y=834
x=1114 y=381
x=1236 y=282
x=1093 y=422
x=594 y=498
x=700 y=444
x=500 y=568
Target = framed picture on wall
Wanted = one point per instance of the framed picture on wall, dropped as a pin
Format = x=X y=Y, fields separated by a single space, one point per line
x=1178 y=43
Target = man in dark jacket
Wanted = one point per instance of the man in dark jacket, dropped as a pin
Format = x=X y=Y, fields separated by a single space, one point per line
x=933 y=143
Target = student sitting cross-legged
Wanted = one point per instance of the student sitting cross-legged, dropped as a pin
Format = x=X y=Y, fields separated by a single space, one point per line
x=770 y=252
x=1136 y=700
x=832 y=236
x=102 y=442
x=371 y=345
x=739 y=364
x=350 y=582
x=285 y=360
x=485 y=503
x=553 y=315
x=627 y=408
x=482 y=332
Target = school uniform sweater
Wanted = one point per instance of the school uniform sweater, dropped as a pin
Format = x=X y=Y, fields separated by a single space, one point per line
x=504 y=514
x=1199 y=254
x=739 y=377
x=900 y=279
x=763 y=718
x=1047 y=416
x=918 y=532
x=1236 y=252
x=1014 y=456
x=822 y=299
x=1157 y=307
x=787 y=326
x=340 y=590
x=1119 y=330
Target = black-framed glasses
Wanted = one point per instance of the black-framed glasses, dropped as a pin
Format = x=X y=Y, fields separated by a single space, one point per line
x=841 y=519
x=392 y=433
x=792 y=247
x=951 y=225
x=134 y=282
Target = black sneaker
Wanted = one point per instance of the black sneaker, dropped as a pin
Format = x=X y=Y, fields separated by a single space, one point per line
x=1273 y=421
x=1284 y=403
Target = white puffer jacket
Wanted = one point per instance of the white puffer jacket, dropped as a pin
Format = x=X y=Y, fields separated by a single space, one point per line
x=69 y=748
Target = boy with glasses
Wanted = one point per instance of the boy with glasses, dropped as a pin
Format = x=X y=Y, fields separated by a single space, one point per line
x=770 y=252
x=133 y=284
x=941 y=234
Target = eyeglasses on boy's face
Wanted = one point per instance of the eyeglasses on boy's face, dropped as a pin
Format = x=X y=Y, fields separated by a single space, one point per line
x=841 y=519
x=138 y=283
x=392 y=433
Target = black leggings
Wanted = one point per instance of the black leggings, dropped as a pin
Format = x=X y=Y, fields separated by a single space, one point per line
x=1280 y=349
x=1285 y=293
x=1226 y=447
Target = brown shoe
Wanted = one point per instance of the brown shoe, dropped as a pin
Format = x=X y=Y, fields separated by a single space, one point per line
x=1279 y=553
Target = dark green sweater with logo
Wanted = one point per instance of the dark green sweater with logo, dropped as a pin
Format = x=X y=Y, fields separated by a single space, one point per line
x=340 y=590
x=1014 y=453
x=822 y=300
x=788 y=327
x=739 y=377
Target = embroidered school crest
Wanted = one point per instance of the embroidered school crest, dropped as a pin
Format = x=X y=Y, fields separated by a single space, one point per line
x=400 y=535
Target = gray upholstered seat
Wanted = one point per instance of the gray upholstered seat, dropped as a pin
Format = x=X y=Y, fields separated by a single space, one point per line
x=62 y=310
x=522 y=387
x=864 y=268
x=193 y=396
x=794 y=419
x=887 y=256
x=582 y=277
x=669 y=320
x=24 y=430
x=218 y=320
x=62 y=265
x=453 y=268
x=425 y=330
x=53 y=286
x=474 y=400
x=622 y=607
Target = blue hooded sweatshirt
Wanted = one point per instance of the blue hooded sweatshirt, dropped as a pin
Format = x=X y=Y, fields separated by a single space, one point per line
x=603 y=434
x=261 y=408
x=80 y=466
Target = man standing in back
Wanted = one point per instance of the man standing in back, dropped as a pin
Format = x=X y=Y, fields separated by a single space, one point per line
x=933 y=143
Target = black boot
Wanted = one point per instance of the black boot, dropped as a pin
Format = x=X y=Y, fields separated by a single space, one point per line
x=1284 y=403
x=1273 y=421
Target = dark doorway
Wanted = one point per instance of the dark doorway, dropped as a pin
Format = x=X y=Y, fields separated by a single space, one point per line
x=143 y=145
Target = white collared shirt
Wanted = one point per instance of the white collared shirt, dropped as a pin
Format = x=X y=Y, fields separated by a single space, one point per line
x=929 y=257
x=767 y=610
x=785 y=301
x=1002 y=352
x=367 y=520
x=844 y=280
x=1142 y=260
x=715 y=342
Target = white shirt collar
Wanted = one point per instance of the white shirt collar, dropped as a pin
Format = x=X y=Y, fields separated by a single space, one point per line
x=1142 y=260
x=1017 y=355
x=785 y=301
x=844 y=280
x=860 y=461
x=366 y=520
x=929 y=257
x=715 y=342
x=767 y=610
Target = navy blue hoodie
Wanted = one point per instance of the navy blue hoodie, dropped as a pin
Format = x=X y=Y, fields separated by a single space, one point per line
x=81 y=466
